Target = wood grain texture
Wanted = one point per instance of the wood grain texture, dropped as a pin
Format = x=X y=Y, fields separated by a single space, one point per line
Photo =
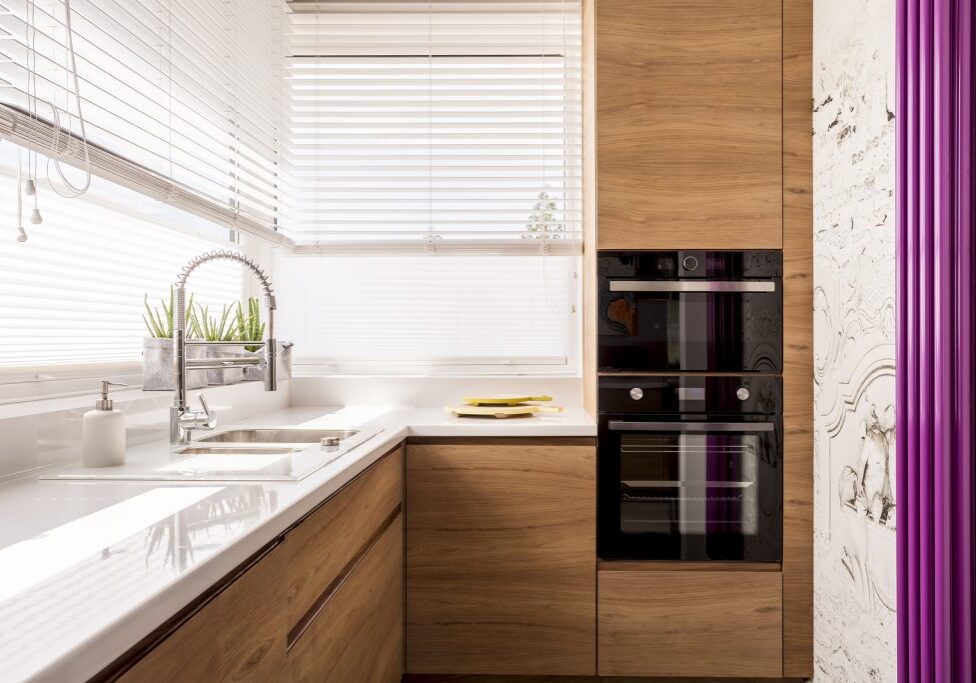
x=359 y=636
x=690 y=624
x=329 y=537
x=501 y=555
x=238 y=636
x=798 y=337
x=689 y=124
x=684 y=566
x=470 y=678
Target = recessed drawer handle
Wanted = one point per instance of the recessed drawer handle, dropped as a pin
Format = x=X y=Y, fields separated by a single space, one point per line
x=621 y=426
x=686 y=286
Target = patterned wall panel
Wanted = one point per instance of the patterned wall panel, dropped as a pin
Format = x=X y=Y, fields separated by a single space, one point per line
x=854 y=308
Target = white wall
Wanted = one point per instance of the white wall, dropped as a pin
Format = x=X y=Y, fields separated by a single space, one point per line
x=854 y=304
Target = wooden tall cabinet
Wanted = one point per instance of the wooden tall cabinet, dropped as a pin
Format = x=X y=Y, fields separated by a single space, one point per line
x=689 y=118
x=501 y=572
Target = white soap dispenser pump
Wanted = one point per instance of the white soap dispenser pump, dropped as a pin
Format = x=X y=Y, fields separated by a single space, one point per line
x=103 y=432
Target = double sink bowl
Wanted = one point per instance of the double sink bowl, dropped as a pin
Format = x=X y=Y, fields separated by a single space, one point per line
x=253 y=454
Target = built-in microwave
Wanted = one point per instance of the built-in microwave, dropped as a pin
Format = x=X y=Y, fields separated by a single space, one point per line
x=690 y=311
x=690 y=468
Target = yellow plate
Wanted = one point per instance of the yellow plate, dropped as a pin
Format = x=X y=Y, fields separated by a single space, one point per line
x=503 y=400
x=501 y=412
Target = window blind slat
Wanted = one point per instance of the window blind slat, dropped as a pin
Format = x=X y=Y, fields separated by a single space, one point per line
x=189 y=91
x=460 y=120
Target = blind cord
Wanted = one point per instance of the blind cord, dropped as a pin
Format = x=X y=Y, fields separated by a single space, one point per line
x=72 y=190
x=29 y=188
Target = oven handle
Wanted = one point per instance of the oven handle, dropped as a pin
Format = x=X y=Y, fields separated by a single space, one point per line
x=622 y=426
x=690 y=286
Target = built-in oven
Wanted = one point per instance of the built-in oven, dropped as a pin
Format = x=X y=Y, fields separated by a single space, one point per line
x=690 y=468
x=690 y=311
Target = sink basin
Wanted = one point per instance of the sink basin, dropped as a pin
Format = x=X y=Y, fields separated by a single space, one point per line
x=288 y=454
x=236 y=450
x=278 y=435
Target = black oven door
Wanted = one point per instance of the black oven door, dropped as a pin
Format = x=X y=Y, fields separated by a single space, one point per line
x=674 y=488
x=724 y=316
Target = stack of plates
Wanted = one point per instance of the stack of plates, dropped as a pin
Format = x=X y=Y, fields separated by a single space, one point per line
x=502 y=406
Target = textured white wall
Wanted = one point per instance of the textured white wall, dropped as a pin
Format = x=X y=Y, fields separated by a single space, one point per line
x=854 y=307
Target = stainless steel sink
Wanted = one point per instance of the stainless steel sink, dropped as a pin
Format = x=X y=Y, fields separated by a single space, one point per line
x=278 y=435
x=237 y=450
x=288 y=454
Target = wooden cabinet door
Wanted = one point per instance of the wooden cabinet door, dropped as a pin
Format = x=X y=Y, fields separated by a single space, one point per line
x=357 y=635
x=689 y=124
x=690 y=623
x=501 y=554
x=321 y=547
x=237 y=636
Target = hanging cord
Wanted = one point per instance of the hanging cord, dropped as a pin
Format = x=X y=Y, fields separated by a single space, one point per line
x=21 y=233
x=71 y=190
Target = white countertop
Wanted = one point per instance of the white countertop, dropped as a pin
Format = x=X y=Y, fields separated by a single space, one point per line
x=87 y=569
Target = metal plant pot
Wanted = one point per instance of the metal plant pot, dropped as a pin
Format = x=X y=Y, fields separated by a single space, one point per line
x=157 y=365
x=230 y=375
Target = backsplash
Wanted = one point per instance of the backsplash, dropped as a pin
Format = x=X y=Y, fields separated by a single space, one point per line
x=39 y=434
x=854 y=328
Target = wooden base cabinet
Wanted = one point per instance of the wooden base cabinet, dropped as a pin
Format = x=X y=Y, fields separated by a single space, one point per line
x=501 y=558
x=323 y=603
x=238 y=636
x=690 y=623
x=358 y=635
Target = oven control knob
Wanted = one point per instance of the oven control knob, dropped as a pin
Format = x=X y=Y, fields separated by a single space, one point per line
x=742 y=393
x=637 y=393
x=690 y=263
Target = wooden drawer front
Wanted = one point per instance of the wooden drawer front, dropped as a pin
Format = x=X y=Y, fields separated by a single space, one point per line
x=689 y=124
x=238 y=636
x=691 y=623
x=321 y=546
x=500 y=559
x=358 y=635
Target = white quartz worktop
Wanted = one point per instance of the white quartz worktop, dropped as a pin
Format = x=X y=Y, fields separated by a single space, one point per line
x=89 y=568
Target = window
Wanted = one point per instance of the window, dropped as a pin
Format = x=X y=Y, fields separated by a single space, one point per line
x=434 y=159
x=182 y=101
x=446 y=314
x=420 y=127
x=73 y=293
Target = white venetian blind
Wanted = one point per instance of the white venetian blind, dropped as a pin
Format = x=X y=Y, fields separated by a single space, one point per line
x=181 y=99
x=446 y=314
x=434 y=126
x=73 y=293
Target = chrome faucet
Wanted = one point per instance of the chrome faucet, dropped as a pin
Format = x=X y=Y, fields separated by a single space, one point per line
x=182 y=419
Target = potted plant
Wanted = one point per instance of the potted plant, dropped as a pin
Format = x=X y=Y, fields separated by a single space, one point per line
x=213 y=329
x=251 y=328
x=157 y=349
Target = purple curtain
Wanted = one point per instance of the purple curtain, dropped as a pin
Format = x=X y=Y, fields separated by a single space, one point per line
x=934 y=195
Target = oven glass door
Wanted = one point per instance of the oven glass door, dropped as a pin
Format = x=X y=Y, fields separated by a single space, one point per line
x=672 y=489
x=686 y=325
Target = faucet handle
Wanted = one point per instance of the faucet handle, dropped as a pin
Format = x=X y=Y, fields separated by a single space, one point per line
x=209 y=416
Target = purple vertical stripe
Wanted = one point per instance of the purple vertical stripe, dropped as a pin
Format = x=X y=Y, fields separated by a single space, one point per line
x=936 y=491
x=901 y=409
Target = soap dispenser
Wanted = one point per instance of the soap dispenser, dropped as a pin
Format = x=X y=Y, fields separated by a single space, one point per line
x=103 y=432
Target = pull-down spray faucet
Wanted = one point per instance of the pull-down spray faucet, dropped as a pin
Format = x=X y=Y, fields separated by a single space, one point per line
x=183 y=420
